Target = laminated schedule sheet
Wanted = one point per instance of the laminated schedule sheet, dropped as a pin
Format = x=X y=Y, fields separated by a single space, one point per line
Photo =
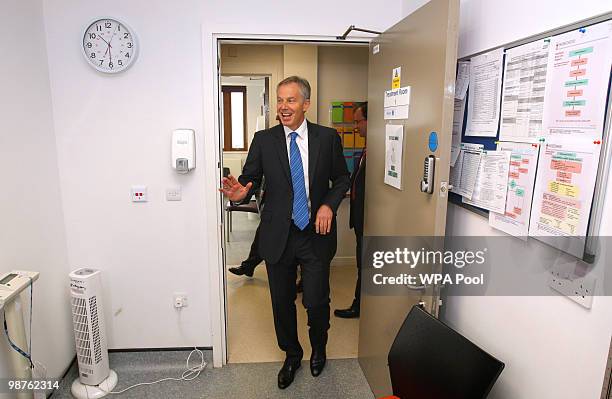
x=491 y=182
x=523 y=92
x=463 y=174
x=484 y=98
x=463 y=79
x=454 y=178
x=458 y=113
x=521 y=180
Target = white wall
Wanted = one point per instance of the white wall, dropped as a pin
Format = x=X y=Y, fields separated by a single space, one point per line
x=489 y=23
x=114 y=131
x=552 y=347
x=32 y=233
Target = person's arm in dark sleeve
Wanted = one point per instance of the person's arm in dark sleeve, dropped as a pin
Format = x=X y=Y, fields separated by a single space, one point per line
x=340 y=177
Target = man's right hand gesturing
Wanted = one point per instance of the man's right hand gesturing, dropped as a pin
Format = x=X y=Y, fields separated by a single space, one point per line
x=233 y=189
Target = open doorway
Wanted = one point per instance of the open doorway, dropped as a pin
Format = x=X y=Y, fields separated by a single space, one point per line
x=338 y=75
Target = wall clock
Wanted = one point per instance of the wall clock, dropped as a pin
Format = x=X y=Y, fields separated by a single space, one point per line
x=109 y=45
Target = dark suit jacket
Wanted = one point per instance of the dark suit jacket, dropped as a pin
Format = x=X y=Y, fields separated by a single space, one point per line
x=358 y=197
x=268 y=157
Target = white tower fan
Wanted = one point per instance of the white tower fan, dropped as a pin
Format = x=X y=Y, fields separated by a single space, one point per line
x=96 y=379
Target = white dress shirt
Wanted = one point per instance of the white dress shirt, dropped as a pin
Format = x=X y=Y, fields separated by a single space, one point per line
x=302 y=142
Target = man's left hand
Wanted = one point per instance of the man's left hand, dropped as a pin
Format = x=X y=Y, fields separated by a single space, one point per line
x=323 y=222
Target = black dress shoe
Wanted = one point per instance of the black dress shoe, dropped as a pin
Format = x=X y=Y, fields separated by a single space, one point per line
x=241 y=270
x=317 y=361
x=350 y=313
x=287 y=373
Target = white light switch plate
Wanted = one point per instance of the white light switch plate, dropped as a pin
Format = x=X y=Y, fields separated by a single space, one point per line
x=173 y=194
x=139 y=194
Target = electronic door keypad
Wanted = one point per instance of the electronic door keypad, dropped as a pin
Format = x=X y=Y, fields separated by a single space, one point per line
x=428 y=174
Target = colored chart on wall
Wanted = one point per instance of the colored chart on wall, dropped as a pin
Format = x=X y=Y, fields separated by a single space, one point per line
x=578 y=75
x=564 y=187
x=521 y=180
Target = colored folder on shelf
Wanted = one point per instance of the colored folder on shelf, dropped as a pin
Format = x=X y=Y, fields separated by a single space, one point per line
x=360 y=142
x=337 y=112
x=349 y=140
x=348 y=112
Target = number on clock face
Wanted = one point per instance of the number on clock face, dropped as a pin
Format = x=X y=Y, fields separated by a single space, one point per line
x=109 y=46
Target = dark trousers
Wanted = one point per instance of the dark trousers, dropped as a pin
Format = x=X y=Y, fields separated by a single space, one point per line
x=358 y=250
x=254 y=259
x=315 y=277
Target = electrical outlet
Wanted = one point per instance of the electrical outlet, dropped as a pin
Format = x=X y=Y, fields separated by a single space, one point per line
x=180 y=300
x=173 y=194
x=139 y=194
x=578 y=289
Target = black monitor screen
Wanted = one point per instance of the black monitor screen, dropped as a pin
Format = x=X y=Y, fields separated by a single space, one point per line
x=430 y=360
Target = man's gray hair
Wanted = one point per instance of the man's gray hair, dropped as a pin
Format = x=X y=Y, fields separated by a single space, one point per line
x=301 y=82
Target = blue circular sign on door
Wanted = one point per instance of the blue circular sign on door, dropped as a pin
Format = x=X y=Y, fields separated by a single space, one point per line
x=433 y=141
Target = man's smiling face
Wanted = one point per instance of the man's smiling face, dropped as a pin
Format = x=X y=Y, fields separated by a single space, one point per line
x=291 y=105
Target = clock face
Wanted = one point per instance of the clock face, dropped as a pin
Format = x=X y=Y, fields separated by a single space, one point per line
x=109 y=45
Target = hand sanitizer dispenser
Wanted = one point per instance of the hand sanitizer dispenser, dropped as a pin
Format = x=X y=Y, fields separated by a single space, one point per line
x=183 y=150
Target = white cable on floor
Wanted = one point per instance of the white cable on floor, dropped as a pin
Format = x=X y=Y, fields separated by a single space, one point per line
x=189 y=374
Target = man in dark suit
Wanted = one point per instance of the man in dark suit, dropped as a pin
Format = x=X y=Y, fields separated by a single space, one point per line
x=360 y=118
x=299 y=160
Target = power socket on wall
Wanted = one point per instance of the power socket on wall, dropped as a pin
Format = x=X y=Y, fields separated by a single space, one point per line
x=139 y=194
x=578 y=289
x=180 y=300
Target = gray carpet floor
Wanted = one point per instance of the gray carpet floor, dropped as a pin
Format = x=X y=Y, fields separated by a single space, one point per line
x=341 y=379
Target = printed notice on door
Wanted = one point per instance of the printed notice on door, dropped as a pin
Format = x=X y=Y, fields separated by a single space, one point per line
x=394 y=144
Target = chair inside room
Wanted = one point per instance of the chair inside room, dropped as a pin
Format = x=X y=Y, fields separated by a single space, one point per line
x=430 y=360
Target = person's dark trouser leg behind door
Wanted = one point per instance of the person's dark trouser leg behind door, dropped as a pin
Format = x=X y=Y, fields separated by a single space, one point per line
x=248 y=266
x=353 y=311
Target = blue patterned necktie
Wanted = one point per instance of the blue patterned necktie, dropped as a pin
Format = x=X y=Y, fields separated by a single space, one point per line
x=300 y=202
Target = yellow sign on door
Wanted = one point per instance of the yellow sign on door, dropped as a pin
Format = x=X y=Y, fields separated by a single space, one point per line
x=396 y=82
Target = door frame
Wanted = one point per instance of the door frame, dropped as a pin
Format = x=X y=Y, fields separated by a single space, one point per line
x=213 y=153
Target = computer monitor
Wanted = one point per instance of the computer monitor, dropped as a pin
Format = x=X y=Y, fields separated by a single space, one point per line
x=429 y=360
